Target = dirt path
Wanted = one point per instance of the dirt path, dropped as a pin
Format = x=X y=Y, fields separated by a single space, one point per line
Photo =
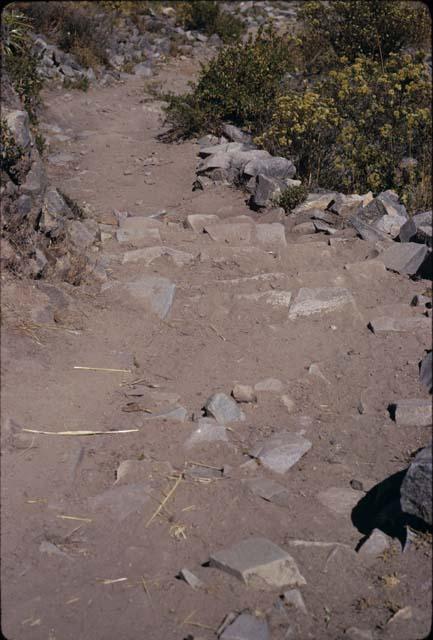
x=217 y=332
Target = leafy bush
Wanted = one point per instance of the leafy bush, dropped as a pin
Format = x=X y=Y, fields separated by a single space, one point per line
x=239 y=85
x=10 y=152
x=292 y=197
x=354 y=129
x=352 y=28
x=207 y=16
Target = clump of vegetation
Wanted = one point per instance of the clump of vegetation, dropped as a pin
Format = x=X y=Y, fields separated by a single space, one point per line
x=349 y=28
x=77 y=28
x=82 y=84
x=239 y=85
x=354 y=128
x=292 y=197
x=347 y=115
x=19 y=61
x=10 y=152
x=208 y=17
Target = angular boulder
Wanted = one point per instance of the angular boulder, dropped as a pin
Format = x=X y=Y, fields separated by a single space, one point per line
x=416 y=488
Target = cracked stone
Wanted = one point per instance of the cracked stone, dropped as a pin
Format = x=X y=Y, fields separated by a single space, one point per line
x=259 y=562
x=281 y=451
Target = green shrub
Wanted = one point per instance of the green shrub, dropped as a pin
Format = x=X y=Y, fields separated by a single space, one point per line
x=19 y=62
x=292 y=197
x=239 y=85
x=352 y=131
x=10 y=152
x=206 y=16
x=81 y=84
x=352 y=28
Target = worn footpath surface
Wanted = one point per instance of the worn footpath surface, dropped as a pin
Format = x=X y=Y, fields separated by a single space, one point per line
x=87 y=549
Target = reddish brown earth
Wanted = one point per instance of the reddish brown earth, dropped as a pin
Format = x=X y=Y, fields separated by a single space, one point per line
x=54 y=568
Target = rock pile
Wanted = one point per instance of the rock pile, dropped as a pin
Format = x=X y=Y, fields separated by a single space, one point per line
x=42 y=232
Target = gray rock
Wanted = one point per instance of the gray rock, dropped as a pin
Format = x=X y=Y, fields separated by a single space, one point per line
x=339 y=500
x=60 y=159
x=323 y=227
x=138 y=230
x=304 y=228
x=79 y=236
x=269 y=490
x=18 y=123
x=220 y=160
x=390 y=225
x=233 y=234
x=149 y=254
x=320 y=300
x=387 y=201
x=54 y=211
x=425 y=371
x=293 y=598
x=207 y=141
x=270 y=384
x=407 y=231
x=24 y=205
x=208 y=431
x=223 y=408
x=366 y=231
x=246 y=627
x=316 y=201
x=257 y=561
x=175 y=413
x=405 y=258
x=416 y=488
x=384 y=324
x=36 y=179
x=52 y=549
x=271 y=235
x=190 y=579
x=274 y=167
x=267 y=190
x=143 y=70
x=345 y=205
x=353 y=633
x=421 y=301
x=376 y=543
x=413 y=413
x=226 y=148
x=234 y=134
x=243 y=393
x=122 y=501
x=155 y=292
x=197 y=222
x=281 y=451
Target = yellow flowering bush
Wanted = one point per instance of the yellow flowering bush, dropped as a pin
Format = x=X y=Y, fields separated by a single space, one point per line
x=350 y=28
x=352 y=131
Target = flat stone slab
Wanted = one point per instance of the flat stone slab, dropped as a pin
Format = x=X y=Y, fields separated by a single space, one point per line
x=414 y=413
x=367 y=269
x=384 y=324
x=223 y=408
x=60 y=159
x=137 y=229
x=246 y=627
x=273 y=298
x=268 y=490
x=281 y=451
x=406 y=257
x=197 y=222
x=123 y=500
x=155 y=292
x=149 y=254
x=272 y=385
x=339 y=500
x=259 y=562
x=320 y=300
x=230 y=233
x=271 y=235
x=208 y=431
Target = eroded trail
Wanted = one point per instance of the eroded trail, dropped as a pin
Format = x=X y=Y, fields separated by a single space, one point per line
x=191 y=314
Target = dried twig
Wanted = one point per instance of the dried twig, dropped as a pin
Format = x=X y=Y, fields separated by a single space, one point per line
x=167 y=497
x=110 y=581
x=80 y=433
x=104 y=369
x=63 y=517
